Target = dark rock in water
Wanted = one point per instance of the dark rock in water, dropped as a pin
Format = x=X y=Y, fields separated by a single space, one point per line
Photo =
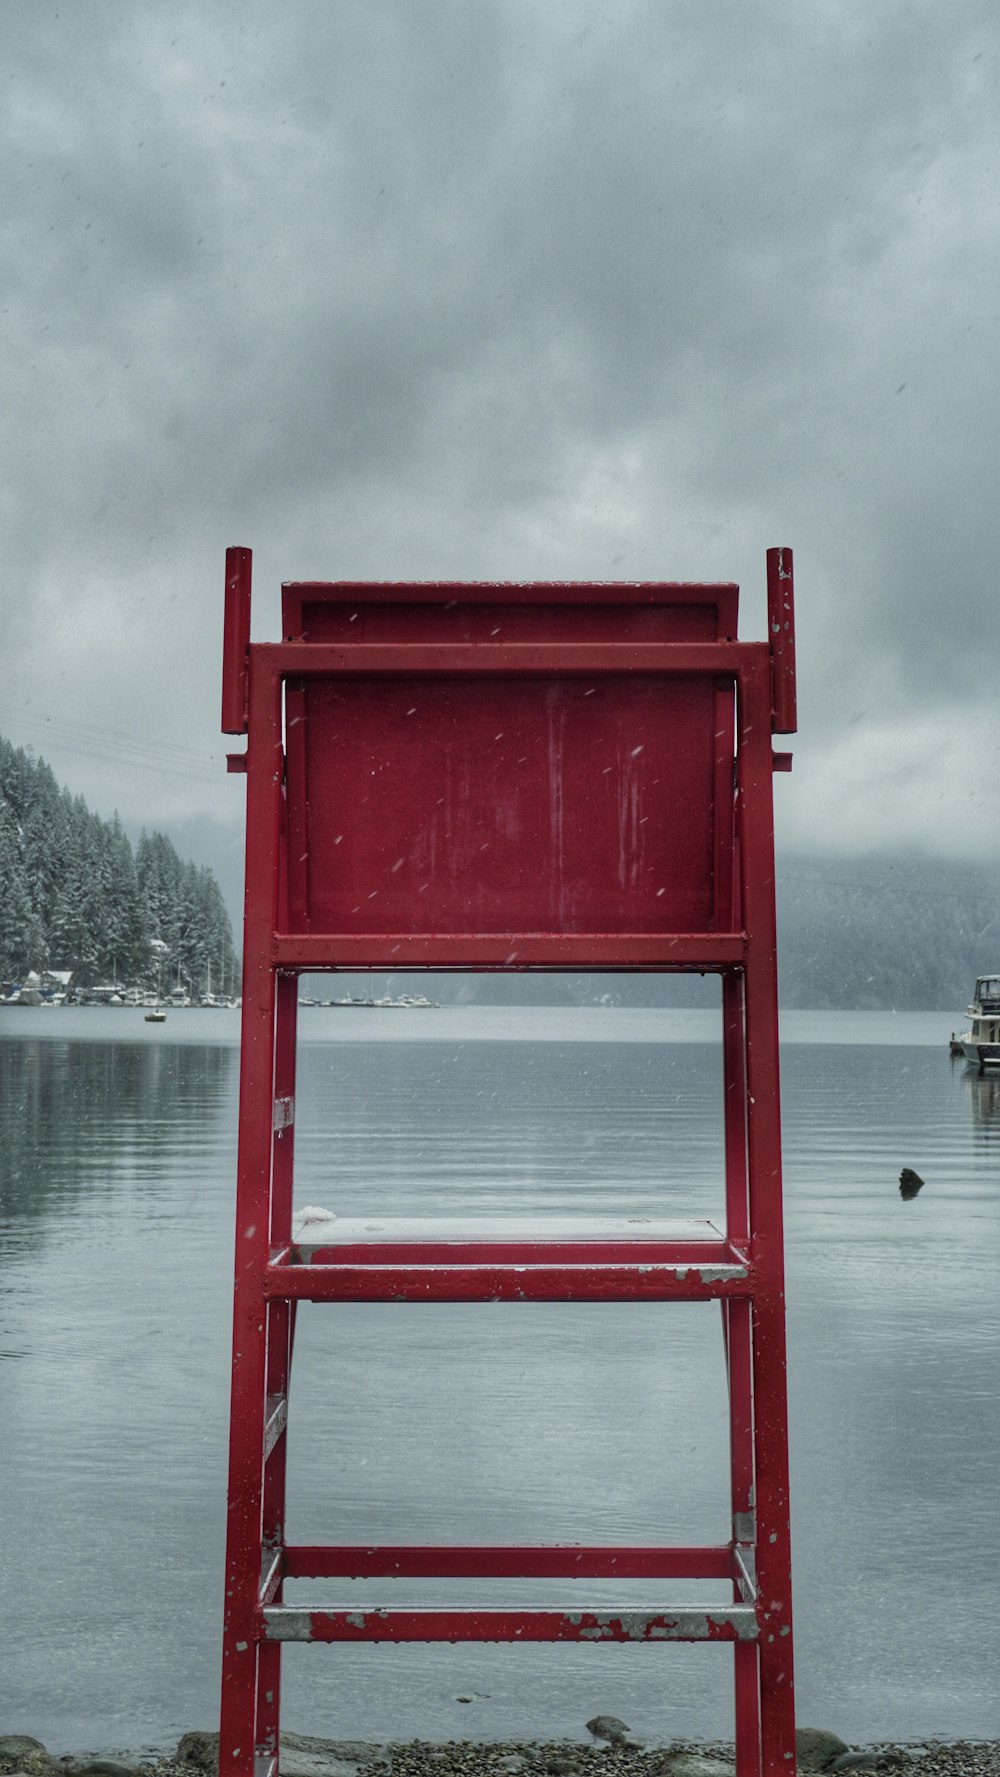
x=857 y=1761
x=615 y=1732
x=607 y=1727
x=816 y=1748
x=909 y=1184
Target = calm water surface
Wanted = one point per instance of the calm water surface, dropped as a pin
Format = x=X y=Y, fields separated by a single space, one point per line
x=488 y=1423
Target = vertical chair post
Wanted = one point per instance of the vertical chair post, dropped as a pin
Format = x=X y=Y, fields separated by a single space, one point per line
x=773 y=1537
x=236 y=641
x=739 y=1360
x=237 y=1747
x=280 y=1334
x=781 y=637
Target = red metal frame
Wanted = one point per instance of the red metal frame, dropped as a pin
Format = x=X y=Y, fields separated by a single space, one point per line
x=573 y=880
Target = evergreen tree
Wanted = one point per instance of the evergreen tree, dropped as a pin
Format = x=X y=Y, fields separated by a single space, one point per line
x=18 y=921
x=74 y=895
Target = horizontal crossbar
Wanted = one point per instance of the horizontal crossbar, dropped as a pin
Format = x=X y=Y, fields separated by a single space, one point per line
x=689 y=1622
x=714 y=593
x=639 y=1281
x=321 y=660
x=312 y=1247
x=449 y=1561
x=666 y=952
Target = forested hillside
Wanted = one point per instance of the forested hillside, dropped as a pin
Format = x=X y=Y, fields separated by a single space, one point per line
x=74 y=894
x=905 y=932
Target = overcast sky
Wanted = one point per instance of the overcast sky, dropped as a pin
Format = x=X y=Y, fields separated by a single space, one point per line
x=498 y=289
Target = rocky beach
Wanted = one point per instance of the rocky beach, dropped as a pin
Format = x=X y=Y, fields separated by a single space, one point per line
x=610 y=1751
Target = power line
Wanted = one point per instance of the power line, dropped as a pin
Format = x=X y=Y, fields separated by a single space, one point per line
x=114 y=746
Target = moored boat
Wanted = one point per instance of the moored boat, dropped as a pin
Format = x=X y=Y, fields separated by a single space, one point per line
x=981 y=1043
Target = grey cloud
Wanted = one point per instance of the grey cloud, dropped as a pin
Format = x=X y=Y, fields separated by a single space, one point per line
x=394 y=289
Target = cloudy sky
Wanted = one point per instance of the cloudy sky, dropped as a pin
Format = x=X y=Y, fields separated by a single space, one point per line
x=491 y=288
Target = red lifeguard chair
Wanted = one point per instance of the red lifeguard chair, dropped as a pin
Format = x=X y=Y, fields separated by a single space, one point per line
x=547 y=776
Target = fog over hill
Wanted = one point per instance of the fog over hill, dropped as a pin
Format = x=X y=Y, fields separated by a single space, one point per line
x=873 y=933
x=883 y=932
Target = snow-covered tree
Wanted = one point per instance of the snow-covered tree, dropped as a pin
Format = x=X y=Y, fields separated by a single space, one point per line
x=74 y=895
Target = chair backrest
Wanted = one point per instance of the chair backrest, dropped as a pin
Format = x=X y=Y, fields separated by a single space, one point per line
x=464 y=797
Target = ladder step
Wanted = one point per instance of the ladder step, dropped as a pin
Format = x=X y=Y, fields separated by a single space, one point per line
x=524 y=1237
x=689 y=1622
x=523 y=1561
x=640 y=1280
x=493 y=1258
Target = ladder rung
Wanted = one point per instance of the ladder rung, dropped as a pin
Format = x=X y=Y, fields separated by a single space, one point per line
x=687 y=1622
x=640 y=1280
x=452 y=1561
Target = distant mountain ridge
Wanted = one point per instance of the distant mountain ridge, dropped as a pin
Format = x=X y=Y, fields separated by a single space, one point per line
x=854 y=934
x=908 y=933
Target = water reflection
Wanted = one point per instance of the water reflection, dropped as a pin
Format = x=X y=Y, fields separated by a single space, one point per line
x=93 y=1119
x=488 y=1128
x=115 y=1243
x=118 y=1161
x=982 y=1092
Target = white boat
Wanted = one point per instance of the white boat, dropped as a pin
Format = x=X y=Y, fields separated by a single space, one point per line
x=981 y=1042
x=403 y=1002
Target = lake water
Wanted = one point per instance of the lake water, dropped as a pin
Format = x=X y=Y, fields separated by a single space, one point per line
x=492 y=1422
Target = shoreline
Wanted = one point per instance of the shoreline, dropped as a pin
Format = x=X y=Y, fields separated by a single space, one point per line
x=610 y=1754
